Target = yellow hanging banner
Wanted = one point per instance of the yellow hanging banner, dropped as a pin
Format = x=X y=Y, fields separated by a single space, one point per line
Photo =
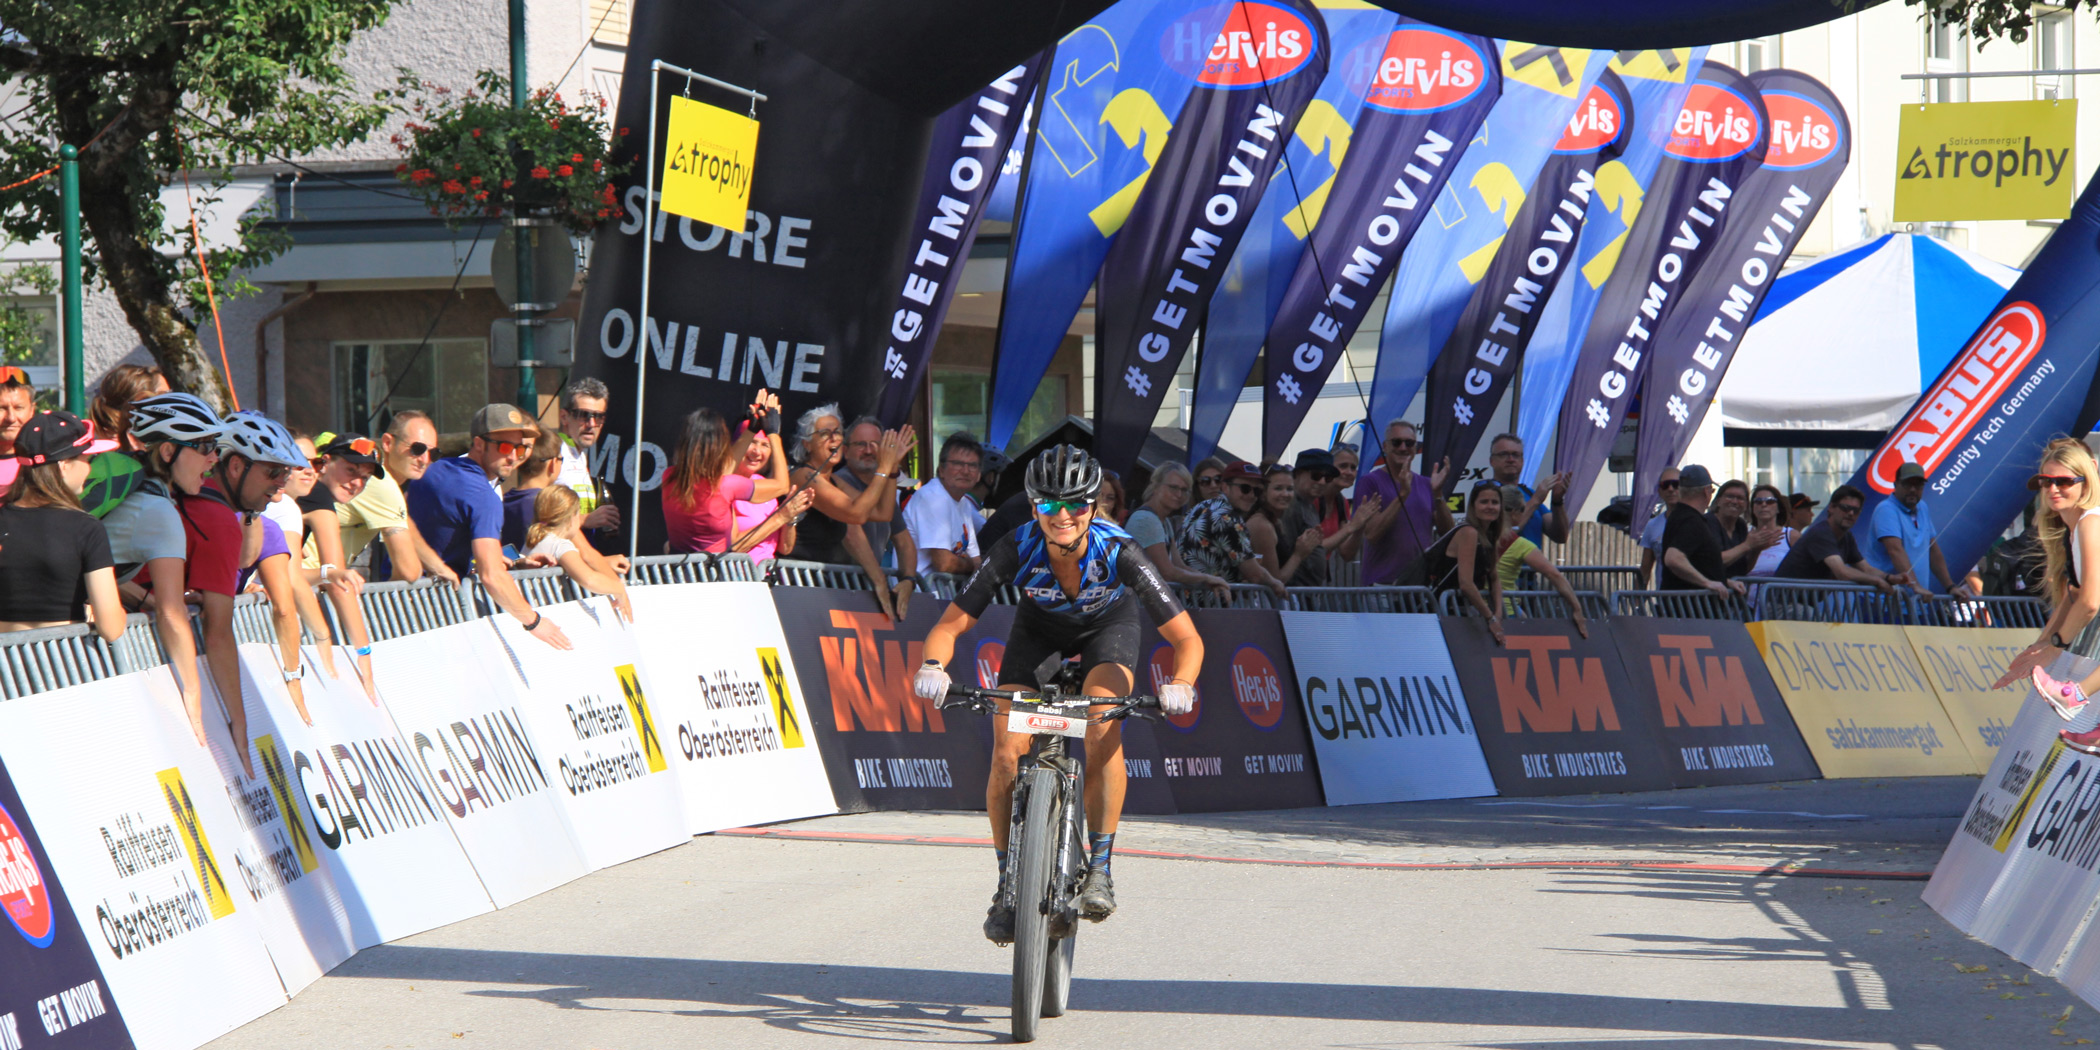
x=707 y=169
x=1986 y=160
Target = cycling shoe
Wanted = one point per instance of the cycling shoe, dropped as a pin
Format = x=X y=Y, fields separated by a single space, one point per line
x=1097 y=896
x=999 y=921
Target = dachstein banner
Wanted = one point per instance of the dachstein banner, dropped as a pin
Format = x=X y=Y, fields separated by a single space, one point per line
x=1864 y=704
x=1231 y=132
x=1722 y=718
x=1811 y=141
x=1254 y=282
x=1542 y=87
x=1986 y=160
x=729 y=705
x=1961 y=663
x=1720 y=137
x=1487 y=347
x=1389 y=721
x=1432 y=91
x=51 y=982
x=1108 y=91
x=969 y=148
x=1656 y=83
x=2024 y=377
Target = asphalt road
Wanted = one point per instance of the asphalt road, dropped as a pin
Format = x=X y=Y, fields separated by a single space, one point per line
x=1715 y=919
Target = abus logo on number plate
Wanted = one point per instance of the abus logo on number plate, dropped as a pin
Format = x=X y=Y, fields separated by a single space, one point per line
x=1965 y=391
x=22 y=891
x=1424 y=70
x=1258 y=687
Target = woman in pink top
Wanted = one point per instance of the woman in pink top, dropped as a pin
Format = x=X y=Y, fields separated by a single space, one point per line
x=766 y=529
x=702 y=485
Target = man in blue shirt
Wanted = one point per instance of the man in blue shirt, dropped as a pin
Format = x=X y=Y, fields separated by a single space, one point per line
x=1902 y=538
x=1506 y=463
x=457 y=508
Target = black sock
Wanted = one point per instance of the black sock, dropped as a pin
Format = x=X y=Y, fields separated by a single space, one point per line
x=1100 y=846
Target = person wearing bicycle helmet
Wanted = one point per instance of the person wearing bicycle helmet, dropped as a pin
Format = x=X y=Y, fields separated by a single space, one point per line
x=1082 y=582
x=257 y=458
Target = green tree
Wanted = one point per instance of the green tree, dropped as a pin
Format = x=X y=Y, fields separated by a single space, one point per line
x=1987 y=20
x=149 y=90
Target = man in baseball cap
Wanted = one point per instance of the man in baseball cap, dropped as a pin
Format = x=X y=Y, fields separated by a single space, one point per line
x=1902 y=539
x=457 y=508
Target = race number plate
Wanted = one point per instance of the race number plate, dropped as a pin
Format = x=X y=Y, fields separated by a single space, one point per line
x=1030 y=720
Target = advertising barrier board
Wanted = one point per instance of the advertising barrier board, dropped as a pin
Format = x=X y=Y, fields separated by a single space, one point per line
x=1245 y=746
x=729 y=705
x=1722 y=718
x=1862 y=700
x=1556 y=712
x=495 y=780
x=1388 y=719
x=138 y=828
x=48 y=978
x=1961 y=663
x=589 y=710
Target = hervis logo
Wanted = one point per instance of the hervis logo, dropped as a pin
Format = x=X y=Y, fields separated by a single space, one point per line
x=1545 y=693
x=210 y=878
x=1716 y=123
x=1598 y=122
x=1425 y=70
x=1804 y=134
x=776 y=677
x=1963 y=393
x=638 y=711
x=1702 y=690
x=1161 y=667
x=1257 y=686
x=868 y=669
x=279 y=775
x=1260 y=44
x=991 y=653
x=22 y=892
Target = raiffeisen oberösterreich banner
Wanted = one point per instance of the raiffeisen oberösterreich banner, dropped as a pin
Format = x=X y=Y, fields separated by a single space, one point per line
x=1432 y=90
x=1542 y=87
x=1656 y=82
x=1811 y=143
x=970 y=142
x=1719 y=138
x=1261 y=270
x=1484 y=352
x=2023 y=378
x=1107 y=93
x=1251 y=88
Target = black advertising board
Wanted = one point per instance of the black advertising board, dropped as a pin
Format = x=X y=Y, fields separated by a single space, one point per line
x=1557 y=713
x=52 y=992
x=1721 y=716
x=1245 y=746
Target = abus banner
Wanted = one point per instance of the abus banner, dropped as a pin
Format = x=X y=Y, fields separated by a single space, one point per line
x=1720 y=137
x=1487 y=347
x=51 y=983
x=1388 y=719
x=1722 y=719
x=1556 y=712
x=1245 y=746
x=1250 y=91
x=1811 y=142
x=1432 y=90
x=1863 y=703
x=729 y=706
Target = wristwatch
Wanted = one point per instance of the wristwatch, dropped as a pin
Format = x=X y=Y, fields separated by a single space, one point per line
x=295 y=673
x=2056 y=638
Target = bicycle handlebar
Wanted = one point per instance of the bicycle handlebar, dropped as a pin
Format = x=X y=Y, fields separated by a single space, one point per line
x=986 y=701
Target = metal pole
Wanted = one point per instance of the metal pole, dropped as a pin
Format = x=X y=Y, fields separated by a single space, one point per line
x=641 y=332
x=522 y=236
x=69 y=240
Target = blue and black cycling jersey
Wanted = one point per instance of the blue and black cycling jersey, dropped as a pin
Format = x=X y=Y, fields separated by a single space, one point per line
x=1110 y=569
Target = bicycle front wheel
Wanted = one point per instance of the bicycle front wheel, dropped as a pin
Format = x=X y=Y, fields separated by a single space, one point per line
x=1034 y=856
x=1071 y=868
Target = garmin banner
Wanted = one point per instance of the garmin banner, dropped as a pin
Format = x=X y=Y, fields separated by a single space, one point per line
x=2023 y=378
x=1718 y=140
x=1542 y=87
x=1109 y=87
x=1422 y=111
x=1261 y=270
x=970 y=142
x=1811 y=141
x=46 y=960
x=1484 y=352
x=1172 y=251
x=1656 y=83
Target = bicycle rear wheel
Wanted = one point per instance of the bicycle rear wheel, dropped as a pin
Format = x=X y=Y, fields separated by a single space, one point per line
x=1034 y=854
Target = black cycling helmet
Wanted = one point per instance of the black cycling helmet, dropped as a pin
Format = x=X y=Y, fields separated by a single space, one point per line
x=1063 y=473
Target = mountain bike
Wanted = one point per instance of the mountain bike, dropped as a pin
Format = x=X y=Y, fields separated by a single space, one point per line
x=1047 y=846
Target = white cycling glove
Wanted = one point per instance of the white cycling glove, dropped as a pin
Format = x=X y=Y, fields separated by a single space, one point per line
x=931 y=683
x=1176 y=698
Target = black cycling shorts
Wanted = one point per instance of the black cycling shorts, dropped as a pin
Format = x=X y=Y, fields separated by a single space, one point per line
x=1110 y=639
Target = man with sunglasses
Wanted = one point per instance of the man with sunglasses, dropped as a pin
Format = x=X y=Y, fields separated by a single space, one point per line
x=1666 y=490
x=1902 y=540
x=1828 y=551
x=457 y=507
x=1214 y=537
x=1082 y=581
x=380 y=512
x=17 y=404
x=583 y=404
x=1405 y=517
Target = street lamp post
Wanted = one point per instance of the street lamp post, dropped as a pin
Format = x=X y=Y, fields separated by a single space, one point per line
x=528 y=384
x=69 y=261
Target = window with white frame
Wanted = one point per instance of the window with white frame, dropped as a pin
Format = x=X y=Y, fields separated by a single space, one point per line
x=2052 y=50
x=447 y=378
x=1946 y=51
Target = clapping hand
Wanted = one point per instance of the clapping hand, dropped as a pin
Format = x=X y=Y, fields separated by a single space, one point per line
x=1437 y=476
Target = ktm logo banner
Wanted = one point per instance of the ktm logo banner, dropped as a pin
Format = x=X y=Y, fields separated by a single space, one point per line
x=1864 y=702
x=1722 y=719
x=1985 y=160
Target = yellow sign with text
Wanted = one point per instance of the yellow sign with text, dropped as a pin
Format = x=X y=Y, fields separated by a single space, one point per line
x=1986 y=160
x=1865 y=705
x=707 y=166
x=1961 y=663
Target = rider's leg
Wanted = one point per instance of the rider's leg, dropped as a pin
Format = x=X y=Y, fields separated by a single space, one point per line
x=1106 y=777
x=1007 y=749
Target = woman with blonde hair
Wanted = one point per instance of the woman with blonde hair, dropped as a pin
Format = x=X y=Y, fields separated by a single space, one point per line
x=2069 y=485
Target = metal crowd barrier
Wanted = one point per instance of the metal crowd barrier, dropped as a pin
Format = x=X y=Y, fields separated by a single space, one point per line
x=549 y=586
x=1943 y=610
x=1362 y=599
x=1244 y=596
x=785 y=572
x=1828 y=602
x=396 y=608
x=1604 y=579
x=1682 y=605
x=1541 y=605
x=693 y=568
x=53 y=658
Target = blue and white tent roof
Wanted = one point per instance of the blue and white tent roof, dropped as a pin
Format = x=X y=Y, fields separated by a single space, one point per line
x=1847 y=343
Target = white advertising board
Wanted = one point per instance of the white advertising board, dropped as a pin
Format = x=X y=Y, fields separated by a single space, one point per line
x=1423 y=747
x=732 y=713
